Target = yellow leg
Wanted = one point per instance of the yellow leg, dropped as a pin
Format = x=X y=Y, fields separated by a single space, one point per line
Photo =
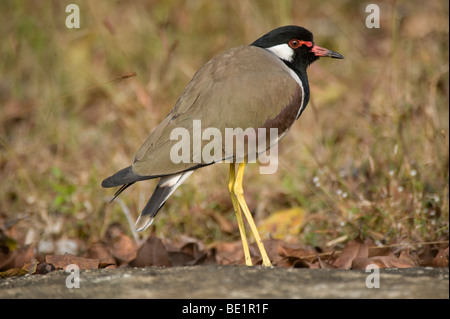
x=237 y=210
x=239 y=193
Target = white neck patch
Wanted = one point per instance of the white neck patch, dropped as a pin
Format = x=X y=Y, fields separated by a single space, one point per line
x=283 y=51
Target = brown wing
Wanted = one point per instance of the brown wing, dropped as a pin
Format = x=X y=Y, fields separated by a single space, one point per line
x=243 y=87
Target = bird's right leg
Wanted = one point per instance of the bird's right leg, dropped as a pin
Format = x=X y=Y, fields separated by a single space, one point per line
x=237 y=210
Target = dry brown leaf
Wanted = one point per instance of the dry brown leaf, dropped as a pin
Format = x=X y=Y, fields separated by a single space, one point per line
x=192 y=249
x=210 y=258
x=198 y=256
x=24 y=255
x=426 y=256
x=152 y=253
x=6 y=259
x=382 y=262
x=124 y=249
x=441 y=259
x=272 y=249
x=110 y=266
x=224 y=247
x=121 y=247
x=256 y=261
x=292 y=262
x=325 y=264
x=375 y=250
x=285 y=250
x=178 y=258
x=200 y=259
x=62 y=261
x=31 y=267
x=229 y=253
x=100 y=251
x=356 y=248
x=406 y=256
x=315 y=265
x=17 y=258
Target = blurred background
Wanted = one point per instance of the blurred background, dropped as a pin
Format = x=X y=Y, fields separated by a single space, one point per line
x=369 y=155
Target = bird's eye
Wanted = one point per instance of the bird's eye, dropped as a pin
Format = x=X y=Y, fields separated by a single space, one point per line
x=295 y=44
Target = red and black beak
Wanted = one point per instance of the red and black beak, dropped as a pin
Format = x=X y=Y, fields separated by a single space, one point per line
x=322 y=52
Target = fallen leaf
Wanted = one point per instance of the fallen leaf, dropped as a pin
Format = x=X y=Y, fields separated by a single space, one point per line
x=355 y=248
x=271 y=246
x=285 y=250
x=13 y=272
x=325 y=264
x=406 y=256
x=28 y=268
x=120 y=246
x=292 y=262
x=426 y=257
x=110 y=266
x=178 y=258
x=375 y=250
x=282 y=223
x=210 y=258
x=229 y=253
x=31 y=267
x=190 y=254
x=152 y=253
x=441 y=259
x=192 y=249
x=200 y=259
x=382 y=262
x=62 y=261
x=198 y=256
x=24 y=255
x=124 y=249
x=6 y=259
x=101 y=252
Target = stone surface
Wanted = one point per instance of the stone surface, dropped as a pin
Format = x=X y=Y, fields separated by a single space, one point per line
x=231 y=282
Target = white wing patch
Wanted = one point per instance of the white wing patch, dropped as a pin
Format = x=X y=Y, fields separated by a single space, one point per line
x=174 y=180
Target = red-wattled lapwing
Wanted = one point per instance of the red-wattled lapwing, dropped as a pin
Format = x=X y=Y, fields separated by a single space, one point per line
x=262 y=85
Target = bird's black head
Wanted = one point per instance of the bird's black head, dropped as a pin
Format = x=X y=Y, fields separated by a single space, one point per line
x=295 y=46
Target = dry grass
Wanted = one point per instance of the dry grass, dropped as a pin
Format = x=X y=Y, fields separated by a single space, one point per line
x=371 y=152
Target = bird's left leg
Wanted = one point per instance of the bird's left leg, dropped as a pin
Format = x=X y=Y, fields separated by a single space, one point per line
x=237 y=210
x=239 y=192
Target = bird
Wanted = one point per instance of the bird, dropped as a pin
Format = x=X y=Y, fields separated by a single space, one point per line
x=261 y=85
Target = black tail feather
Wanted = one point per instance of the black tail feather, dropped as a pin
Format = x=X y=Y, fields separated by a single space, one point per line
x=166 y=186
x=124 y=176
x=120 y=190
